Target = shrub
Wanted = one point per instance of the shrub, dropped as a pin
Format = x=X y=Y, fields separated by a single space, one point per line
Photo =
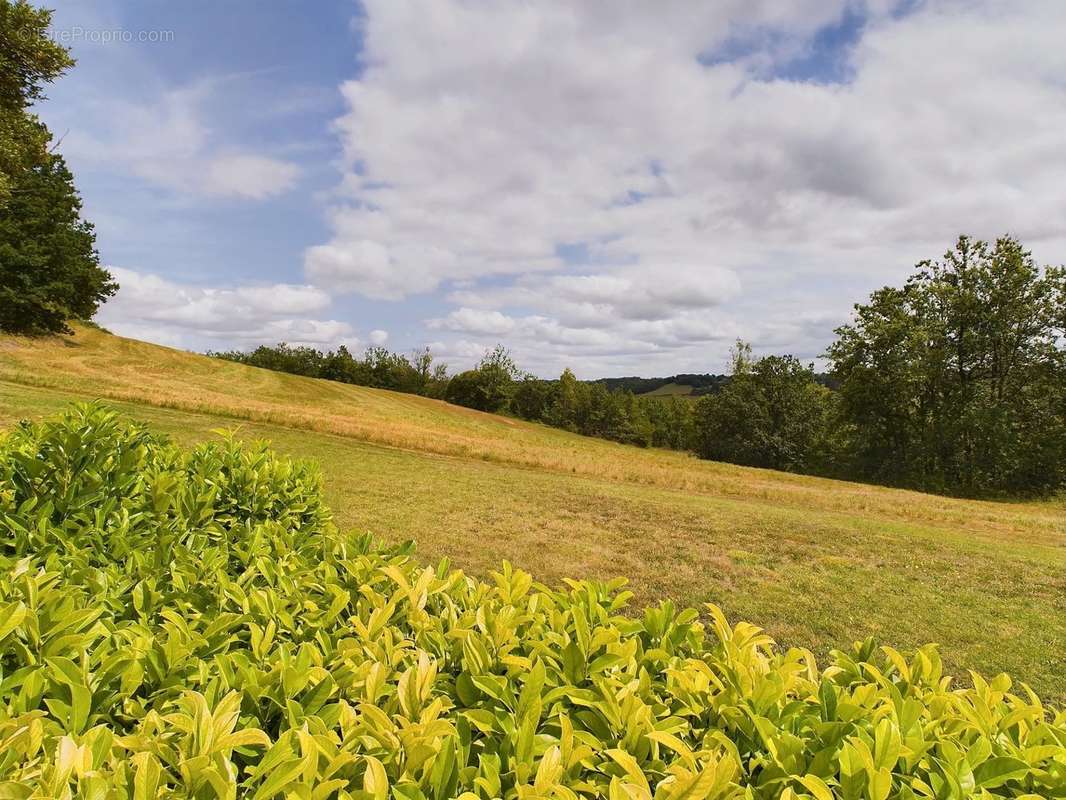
x=190 y=624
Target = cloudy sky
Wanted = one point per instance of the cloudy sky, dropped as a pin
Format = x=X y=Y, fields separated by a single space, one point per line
x=623 y=187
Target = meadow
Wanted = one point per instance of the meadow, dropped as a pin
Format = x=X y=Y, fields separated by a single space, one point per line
x=670 y=390
x=818 y=563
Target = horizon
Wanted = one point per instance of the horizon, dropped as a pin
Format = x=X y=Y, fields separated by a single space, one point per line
x=622 y=195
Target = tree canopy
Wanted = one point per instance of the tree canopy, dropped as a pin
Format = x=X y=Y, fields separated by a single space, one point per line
x=49 y=268
x=771 y=414
x=29 y=59
x=957 y=381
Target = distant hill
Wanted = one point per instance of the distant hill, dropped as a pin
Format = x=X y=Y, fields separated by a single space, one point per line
x=685 y=384
x=671 y=390
x=682 y=384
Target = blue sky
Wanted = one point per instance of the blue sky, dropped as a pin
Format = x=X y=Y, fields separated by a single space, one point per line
x=621 y=193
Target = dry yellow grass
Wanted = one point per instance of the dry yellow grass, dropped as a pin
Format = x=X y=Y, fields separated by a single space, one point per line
x=817 y=562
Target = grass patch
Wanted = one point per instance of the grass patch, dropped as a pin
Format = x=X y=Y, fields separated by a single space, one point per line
x=670 y=390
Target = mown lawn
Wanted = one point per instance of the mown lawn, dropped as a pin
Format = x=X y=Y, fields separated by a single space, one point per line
x=817 y=563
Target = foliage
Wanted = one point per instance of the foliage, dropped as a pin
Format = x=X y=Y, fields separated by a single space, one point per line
x=466 y=389
x=379 y=368
x=489 y=386
x=293 y=359
x=591 y=409
x=672 y=422
x=190 y=624
x=29 y=58
x=532 y=398
x=771 y=414
x=957 y=381
x=703 y=383
x=49 y=268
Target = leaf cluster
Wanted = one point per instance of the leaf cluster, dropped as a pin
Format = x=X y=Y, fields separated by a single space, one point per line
x=29 y=58
x=49 y=268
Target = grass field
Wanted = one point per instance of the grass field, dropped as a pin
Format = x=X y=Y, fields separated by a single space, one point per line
x=670 y=390
x=818 y=563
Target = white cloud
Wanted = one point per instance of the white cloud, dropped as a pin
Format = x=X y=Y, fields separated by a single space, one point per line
x=370 y=268
x=151 y=307
x=250 y=176
x=713 y=197
x=283 y=298
x=472 y=320
x=169 y=142
x=378 y=337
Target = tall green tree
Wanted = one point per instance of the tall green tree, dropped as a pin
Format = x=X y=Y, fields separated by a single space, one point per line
x=771 y=414
x=29 y=59
x=49 y=268
x=957 y=381
x=563 y=410
x=532 y=398
x=490 y=386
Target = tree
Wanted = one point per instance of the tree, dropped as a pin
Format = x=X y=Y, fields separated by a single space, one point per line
x=957 y=381
x=429 y=379
x=488 y=387
x=771 y=414
x=532 y=398
x=498 y=376
x=28 y=60
x=465 y=389
x=670 y=420
x=341 y=366
x=49 y=268
x=562 y=412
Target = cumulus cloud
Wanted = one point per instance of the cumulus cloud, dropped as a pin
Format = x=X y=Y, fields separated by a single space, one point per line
x=374 y=270
x=152 y=307
x=707 y=190
x=544 y=342
x=169 y=142
x=251 y=176
x=473 y=320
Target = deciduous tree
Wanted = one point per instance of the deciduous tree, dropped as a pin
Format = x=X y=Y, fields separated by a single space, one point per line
x=957 y=381
x=29 y=59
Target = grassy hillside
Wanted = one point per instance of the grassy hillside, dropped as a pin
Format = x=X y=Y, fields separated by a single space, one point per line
x=670 y=390
x=818 y=563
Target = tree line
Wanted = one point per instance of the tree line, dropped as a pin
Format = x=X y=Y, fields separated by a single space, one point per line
x=378 y=368
x=954 y=383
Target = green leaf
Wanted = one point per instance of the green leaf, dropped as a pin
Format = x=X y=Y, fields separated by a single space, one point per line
x=997 y=771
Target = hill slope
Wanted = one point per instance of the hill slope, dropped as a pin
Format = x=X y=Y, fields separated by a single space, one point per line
x=817 y=562
x=670 y=390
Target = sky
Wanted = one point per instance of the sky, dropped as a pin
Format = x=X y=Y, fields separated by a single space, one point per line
x=623 y=188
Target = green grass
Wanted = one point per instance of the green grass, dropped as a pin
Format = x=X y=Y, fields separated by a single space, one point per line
x=670 y=390
x=818 y=563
